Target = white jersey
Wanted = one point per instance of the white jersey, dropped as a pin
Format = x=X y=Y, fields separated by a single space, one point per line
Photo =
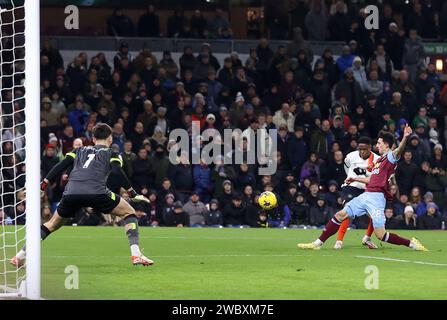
x=357 y=167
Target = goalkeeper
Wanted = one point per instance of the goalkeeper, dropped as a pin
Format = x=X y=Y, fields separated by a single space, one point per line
x=86 y=187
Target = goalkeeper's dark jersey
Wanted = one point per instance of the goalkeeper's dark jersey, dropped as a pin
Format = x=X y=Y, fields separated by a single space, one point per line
x=91 y=169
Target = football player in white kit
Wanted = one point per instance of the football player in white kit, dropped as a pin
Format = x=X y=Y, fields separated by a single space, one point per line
x=357 y=164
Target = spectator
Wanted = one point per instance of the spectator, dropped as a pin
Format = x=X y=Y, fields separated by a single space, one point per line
x=338 y=21
x=149 y=23
x=384 y=61
x=414 y=54
x=202 y=180
x=345 y=60
x=299 y=212
x=200 y=71
x=421 y=118
x=119 y=137
x=218 y=24
x=276 y=19
x=408 y=220
x=310 y=169
x=129 y=158
x=234 y=213
x=214 y=216
x=321 y=140
x=406 y=173
x=142 y=170
x=429 y=220
x=49 y=159
x=374 y=86
x=300 y=45
x=176 y=217
x=176 y=23
x=48 y=113
x=120 y=25
x=199 y=25
x=284 y=116
x=169 y=65
x=317 y=21
x=297 y=150
x=422 y=206
x=391 y=221
x=349 y=89
x=320 y=213
x=160 y=164
x=196 y=211
x=123 y=53
x=359 y=73
x=336 y=169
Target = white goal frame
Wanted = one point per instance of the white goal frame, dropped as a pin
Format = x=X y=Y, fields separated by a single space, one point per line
x=30 y=287
x=32 y=127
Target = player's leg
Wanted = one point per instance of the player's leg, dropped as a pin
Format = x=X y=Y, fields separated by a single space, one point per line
x=376 y=210
x=341 y=233
x=353 y=208
x=329 y=230
x=46 y=229
x=348 y=193
x=126 y=212
x=395 y=239
x=366 y=240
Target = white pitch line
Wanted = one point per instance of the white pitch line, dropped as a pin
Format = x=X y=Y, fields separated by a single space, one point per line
x=197 y=256
x=404 y=261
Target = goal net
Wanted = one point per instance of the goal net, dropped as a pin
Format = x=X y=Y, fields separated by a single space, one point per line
x=19 y=147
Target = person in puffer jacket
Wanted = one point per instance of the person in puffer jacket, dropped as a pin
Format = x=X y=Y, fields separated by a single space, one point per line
x=213 y=216
x=202 y=181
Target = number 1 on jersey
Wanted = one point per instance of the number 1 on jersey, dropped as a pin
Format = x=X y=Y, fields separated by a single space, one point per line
x=90 y=159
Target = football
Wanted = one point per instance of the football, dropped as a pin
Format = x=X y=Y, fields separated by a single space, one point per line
x=267 y=200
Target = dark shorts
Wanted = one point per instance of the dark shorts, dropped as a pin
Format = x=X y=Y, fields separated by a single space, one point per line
x=348 y=193
x=72 y=203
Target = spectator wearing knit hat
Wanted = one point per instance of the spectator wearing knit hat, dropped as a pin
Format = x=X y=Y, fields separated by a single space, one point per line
x=429 y=219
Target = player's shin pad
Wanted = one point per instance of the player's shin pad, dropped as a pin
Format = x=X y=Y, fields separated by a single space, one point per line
x=131 y=227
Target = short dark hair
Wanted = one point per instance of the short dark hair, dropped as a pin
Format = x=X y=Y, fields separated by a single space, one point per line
x=364 y=140
x=102 y=131
x=387 y=137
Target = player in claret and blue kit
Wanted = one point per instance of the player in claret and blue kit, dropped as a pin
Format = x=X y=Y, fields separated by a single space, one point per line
x=373 y=200
x=86 y=187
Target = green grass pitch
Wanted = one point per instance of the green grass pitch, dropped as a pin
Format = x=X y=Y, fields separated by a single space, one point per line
x=239 y=264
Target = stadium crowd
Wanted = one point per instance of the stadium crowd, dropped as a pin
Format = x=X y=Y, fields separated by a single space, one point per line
x=320 y=111
x=319 y=20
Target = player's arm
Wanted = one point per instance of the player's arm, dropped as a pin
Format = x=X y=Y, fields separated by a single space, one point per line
x=58 y=169
x=117 y=167
x=347 y=163
x=364 y=180
x=400 y=149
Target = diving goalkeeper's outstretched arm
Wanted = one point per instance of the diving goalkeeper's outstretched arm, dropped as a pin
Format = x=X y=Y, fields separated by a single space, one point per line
x=58 y=169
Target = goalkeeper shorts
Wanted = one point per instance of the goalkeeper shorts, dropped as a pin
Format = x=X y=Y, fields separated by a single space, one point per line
x=72 y=203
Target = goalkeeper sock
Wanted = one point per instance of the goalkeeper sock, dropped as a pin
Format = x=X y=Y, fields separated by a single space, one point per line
x=44 y=233
x=131 y=227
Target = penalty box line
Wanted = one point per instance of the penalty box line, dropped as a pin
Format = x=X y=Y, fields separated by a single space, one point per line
x=403 y=261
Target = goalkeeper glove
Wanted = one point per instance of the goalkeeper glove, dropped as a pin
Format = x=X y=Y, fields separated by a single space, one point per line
x=137 y=197
x=44 y=184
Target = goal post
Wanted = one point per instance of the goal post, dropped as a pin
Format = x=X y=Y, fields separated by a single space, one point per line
x=20 y=209
x=32 y=149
